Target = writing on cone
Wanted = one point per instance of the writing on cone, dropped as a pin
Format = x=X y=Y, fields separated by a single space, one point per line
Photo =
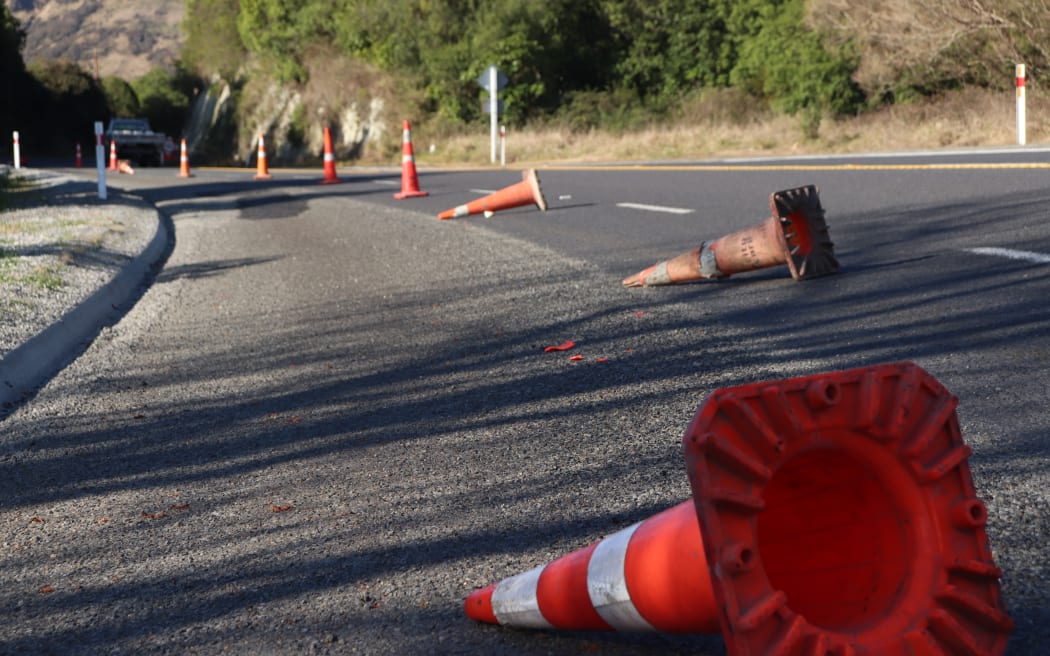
x=796 y=234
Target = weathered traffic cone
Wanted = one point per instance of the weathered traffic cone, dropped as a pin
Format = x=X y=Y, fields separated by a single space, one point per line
x=262 y=171
x=409 y=178
x=651 y=576
x=79 y=161
x=330 y=176
x=837 y=516
x=526 y=192
x=112 y=155
x=184 y=162
x=796 y=235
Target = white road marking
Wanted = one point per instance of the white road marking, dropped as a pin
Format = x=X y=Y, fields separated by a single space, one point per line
x=387 y=182
x=655 y=208
x=483 y=191
x=1027 y=256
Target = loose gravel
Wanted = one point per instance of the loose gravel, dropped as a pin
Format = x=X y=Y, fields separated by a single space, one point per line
x=59 y=244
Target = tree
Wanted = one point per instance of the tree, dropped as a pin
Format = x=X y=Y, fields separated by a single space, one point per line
x=71 y=101
x=164 y=98
x=14 y=82
x=213 y=43
x=121 y=99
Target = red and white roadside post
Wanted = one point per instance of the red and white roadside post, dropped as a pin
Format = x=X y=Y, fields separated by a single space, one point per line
x=17 y=150
x=1020 y=105
x=100 y=160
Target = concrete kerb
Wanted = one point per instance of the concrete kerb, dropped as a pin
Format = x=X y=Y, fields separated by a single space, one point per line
x=28 y=366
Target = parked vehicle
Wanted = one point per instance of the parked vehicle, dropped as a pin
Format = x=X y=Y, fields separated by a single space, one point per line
x=136 y=141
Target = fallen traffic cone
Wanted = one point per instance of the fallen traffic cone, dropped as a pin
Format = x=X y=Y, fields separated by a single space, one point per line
x=409 y=179
x=79 y=161
x=184 y=162
x=526 y=192
x=796 y=235
x=124 y=166
x=633 y=580
x=330 y=176
x=262 y=172
x=112 y=155
x=837 y=516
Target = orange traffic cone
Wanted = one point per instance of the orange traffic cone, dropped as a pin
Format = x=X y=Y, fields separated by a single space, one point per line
x=329 y=160
x=184 y=162
x=112 y=155
x=652 y=576
x=526 y=192
x=79 y=161
x=796 y=235
x=124 y=166
x=837 y=515
x=262 y=172
x=409 y=179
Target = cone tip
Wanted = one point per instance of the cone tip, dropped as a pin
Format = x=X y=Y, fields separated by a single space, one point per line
x=478 y=605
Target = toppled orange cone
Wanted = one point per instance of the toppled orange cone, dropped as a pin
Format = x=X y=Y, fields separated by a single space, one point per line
x=651 y=576
x=796 y=235
x=835 y=515
x=124 y=166
x=526 y=192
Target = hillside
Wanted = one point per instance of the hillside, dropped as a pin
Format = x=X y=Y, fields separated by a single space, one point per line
x=129 y=38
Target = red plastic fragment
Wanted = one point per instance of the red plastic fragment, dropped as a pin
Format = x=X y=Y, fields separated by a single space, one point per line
x=575 y=358
x=564 y=346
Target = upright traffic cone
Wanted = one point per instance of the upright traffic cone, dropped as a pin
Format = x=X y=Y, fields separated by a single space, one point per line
x=526 y=192
x=837 y=516
x=262 y=172
x=184 y=162
x=409 y=179
x=79 y=161
x=330 y=176
x=796 y=235
x=113 y=155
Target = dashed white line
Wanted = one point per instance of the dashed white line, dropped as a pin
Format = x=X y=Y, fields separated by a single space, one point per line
x=483 y=191
x=387 y=182
x=1027 y=256
x=655 y=208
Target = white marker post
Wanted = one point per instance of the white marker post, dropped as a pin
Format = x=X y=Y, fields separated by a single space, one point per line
x=493 y=106
x=492 y=80
x=17 y=150
x=100 y=160
x=503 y=145
x=1020 y=105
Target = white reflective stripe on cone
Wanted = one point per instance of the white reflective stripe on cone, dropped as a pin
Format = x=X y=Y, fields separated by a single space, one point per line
x=608 y=587
x=514 y=601
x=329 y=157
x=461 y=210
x=405 y=159
x=406 y=136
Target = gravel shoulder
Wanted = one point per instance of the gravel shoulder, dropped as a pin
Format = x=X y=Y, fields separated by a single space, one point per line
x=69 y=263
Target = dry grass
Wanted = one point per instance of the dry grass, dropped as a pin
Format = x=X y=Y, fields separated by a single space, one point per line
x=962 y=119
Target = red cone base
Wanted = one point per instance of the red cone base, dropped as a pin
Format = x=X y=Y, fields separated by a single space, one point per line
x=837 y=516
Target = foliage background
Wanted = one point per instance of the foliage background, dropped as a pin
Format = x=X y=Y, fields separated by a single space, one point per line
x=579 y=65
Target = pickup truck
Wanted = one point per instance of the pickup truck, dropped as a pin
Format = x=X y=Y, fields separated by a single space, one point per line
x=136 y=141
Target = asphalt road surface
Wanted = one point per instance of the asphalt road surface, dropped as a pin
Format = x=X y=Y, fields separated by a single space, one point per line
x=331 y=417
